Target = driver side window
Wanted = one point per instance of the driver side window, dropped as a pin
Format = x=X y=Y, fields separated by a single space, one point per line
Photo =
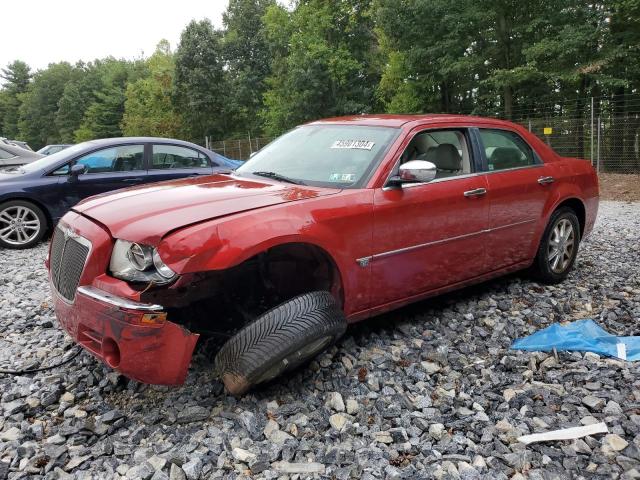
x=448 y=150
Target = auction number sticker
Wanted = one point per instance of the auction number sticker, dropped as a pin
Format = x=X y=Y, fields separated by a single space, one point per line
x=342 y=177
x=353 y=144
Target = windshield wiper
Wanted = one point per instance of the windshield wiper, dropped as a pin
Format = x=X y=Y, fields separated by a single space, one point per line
x=277 y=176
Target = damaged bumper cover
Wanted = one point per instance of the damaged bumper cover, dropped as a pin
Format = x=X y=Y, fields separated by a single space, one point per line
x=133 y=338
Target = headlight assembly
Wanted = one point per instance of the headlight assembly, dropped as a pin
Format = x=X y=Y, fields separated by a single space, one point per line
x=136 y=262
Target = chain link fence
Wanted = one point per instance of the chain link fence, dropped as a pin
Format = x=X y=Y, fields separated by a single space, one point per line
x=602 y=130
x=239 y=149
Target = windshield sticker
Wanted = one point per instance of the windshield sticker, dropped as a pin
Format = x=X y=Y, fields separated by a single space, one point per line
x=342 y=177
x=354 y=144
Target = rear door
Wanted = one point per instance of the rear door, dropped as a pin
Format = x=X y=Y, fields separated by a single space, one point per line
x=106 y=169
x=518 y=187
x=430 y=235
x=168 y=162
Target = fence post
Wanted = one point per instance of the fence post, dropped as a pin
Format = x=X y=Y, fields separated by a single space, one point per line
x=250 y=144
x=598 y=156
x=240 y=151
x=592 y=111
x=224 y=148
x=529 y=125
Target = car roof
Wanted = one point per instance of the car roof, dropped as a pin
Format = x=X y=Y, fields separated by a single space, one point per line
x=122 y=140
x=397 y=121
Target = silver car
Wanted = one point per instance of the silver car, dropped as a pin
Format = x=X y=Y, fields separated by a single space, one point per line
x=12 y=156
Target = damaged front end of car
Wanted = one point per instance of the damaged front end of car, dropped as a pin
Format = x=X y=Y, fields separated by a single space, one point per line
x=106 y=316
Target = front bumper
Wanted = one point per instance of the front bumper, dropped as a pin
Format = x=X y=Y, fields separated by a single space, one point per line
x=133 y=338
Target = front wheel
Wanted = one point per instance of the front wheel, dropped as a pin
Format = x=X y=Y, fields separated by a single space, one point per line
x=558 y=247
x=22 y=224
x=279 y=341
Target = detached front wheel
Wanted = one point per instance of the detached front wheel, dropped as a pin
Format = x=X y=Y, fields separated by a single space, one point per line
x=279 y=341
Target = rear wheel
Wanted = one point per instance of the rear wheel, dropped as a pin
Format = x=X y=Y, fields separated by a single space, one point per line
x=22 y=224
x=558 y=247
x=279 y=341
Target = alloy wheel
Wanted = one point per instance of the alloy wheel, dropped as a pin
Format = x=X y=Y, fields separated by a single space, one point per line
x=19 y=225
x=561 y=246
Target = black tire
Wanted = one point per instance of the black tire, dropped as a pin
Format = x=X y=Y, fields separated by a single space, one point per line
x=279 y=341
x=542 y=268
x=31 y=237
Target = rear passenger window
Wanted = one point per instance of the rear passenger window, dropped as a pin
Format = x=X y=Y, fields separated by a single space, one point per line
x=171 y=156
x=505 y=149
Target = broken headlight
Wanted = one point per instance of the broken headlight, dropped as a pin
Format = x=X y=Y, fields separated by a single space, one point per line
x=136 y=262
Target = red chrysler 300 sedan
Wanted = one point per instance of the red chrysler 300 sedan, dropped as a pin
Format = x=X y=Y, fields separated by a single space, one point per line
x=333 y=222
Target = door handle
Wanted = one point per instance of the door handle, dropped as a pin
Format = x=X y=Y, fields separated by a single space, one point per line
x=477 y=192
x=546 y=180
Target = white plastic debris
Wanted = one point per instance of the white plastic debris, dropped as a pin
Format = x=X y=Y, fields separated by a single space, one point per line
x=565 y=433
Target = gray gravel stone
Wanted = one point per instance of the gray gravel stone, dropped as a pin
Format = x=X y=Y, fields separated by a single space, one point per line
x=429 y=391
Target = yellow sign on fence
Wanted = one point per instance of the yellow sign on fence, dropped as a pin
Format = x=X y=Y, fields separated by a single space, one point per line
x=548 y=130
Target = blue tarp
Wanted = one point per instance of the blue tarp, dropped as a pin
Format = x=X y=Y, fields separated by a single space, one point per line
x=581 y=336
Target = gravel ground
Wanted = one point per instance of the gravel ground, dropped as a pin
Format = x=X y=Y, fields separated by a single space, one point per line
x=430 y=391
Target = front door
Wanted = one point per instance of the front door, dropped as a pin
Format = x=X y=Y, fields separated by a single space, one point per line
x=107 y=169
x=430 y=235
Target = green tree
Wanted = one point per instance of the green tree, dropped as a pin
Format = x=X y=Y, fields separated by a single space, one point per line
x=327 y=65
x=78 y=94
x=37 y=124
x=148 y=110
x=200 y=90
x=430 y=50
x=17 y=76
x=246 y=53
x=103 y=115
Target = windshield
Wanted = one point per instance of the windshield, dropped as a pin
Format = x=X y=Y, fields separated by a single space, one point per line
x=338 y=156
x=49 y=161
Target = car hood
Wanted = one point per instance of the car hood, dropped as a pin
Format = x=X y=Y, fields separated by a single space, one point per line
x=146 y=213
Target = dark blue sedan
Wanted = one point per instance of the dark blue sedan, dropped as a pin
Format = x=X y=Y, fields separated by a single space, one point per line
x=35 y=196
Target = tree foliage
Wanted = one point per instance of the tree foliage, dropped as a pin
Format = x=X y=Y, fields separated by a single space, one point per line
x=148 y=110
x=272 y=67
x=246 y=54
x=16 y=76
x=200 y=88
x=324 y=66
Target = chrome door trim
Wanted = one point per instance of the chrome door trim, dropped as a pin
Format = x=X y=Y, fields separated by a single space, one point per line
x=365 y=261
x=457 y=177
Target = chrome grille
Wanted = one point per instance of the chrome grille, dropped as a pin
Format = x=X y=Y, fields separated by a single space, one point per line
x=69 y=253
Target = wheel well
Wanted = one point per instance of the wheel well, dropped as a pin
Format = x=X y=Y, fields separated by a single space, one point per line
x=578 y=207
x=291 y=269
x=242 y=293
x=36 y=203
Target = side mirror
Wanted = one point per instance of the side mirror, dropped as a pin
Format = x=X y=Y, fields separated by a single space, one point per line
x=415 y=171
x=77 y=170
